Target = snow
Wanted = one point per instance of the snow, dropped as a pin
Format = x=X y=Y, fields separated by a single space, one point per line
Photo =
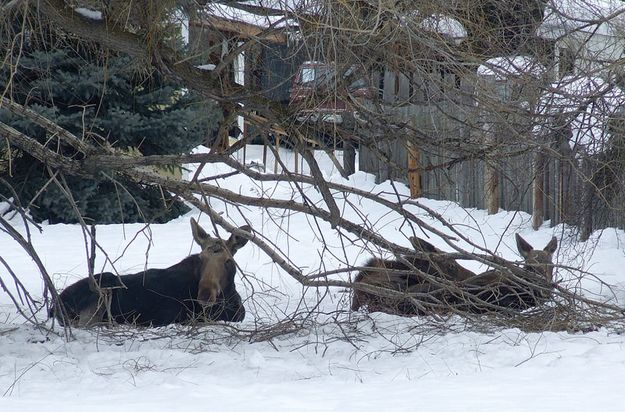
x=88 y=13
x=365 y=363
x=208 y=67
x=183 y=21
x=501 y=68
x=244 y=16
x=437 y=23
x=588 y=103
x=445 y=25
x=603 y=17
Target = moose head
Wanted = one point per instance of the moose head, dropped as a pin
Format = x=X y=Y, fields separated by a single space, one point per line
x=539 y=262
x=218 y=267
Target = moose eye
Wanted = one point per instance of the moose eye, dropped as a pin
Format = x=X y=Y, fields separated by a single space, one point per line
x=214 y=248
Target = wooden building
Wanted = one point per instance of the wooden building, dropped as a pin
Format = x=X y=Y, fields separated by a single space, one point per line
x=254 y=50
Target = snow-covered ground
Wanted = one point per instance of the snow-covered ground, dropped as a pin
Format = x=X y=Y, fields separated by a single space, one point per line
x=364 y=362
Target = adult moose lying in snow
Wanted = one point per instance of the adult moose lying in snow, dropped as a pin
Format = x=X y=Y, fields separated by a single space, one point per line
x=445 y=286
x=199 y=287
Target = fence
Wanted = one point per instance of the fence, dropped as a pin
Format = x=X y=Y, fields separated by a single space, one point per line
x=587 y=193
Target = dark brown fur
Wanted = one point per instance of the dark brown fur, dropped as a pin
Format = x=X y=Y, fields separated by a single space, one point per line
x=402 y=277
x=217 y=262
x=450 y=286
x=200 y=287
x=523 y=289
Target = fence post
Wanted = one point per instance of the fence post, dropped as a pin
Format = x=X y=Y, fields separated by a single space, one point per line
x=587 y=200
x=538 y=190
x=566 y=178
x=414 y=170
x=491 y=176
x=275 y=160
x=491 y=189
x=349 y=157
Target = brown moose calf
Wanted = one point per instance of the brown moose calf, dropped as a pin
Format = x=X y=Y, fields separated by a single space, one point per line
x=444 y=286
x=422 y=281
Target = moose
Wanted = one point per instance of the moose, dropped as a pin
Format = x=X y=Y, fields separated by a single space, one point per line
x=200 y=287
x=518 y=289
x=400 y=276
x=448 y=286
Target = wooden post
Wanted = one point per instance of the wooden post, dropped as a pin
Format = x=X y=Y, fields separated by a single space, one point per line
x=349 y=157
x=568 y=191
x=296 y=161
x=565 y=178
x=414 y=171
x=560 y=200
x=491 y=177
x=587 y=201
x=275 y=160
x=538 y=191
x=246 y=137
x=491 y=189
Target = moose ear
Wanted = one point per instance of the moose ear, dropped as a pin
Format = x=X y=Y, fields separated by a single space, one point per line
x=551 y=246
x=523 y=247
x=421 y=245
x=236 y=242
x=199 y=235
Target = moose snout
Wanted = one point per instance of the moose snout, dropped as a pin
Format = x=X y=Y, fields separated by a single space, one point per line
x=207 y=303
x=207 y=297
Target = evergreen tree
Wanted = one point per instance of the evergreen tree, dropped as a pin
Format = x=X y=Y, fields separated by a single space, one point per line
x=99 y=97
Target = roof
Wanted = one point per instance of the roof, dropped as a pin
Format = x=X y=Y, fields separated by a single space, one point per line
x=251 y=19
x=437 y=23
x=244 y=16
x=445 y=25
x=264 y=13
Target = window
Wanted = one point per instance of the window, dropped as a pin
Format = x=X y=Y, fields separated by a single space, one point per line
x=307 y=75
